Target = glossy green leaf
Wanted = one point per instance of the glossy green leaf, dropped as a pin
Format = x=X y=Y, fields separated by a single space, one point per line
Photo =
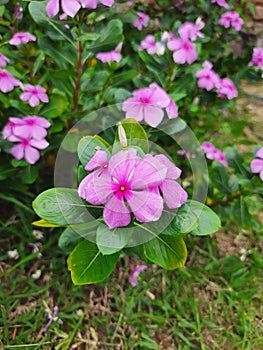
x=208 y=221
x=88 y=265
x=111 y=241
x=56 y=106
x=61 y=206
x=219 y=178
x=166 y=251
x=88 y=146
x=135 y=134
x=241 y=214
x=235 y=161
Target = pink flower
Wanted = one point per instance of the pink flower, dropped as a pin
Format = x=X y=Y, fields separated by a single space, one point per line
x=221 y=3
x=226 y=88
x=257 y=58
x=142 y=21
x=184 y=51
x=213 y=153
x=231 y=19
x=3 y=60
x=191 y=31
x=147 y=105
x=207 y=78
x=7 y=81
x=172 y=110
x=28 y=127
x=110 y=56
x=148 y=44
x=127 y=185
x=133 y=278
x=256 y=165
x=22 y=38
x=28 y=149
x=34 y=95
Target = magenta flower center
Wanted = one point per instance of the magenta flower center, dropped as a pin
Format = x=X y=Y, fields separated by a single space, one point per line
x=34 y=92
x=122 y=188
x=25 y=142
x=3 y=74
x=144 y=100
x=105 y=166
x=186 y=46
x=30 y=122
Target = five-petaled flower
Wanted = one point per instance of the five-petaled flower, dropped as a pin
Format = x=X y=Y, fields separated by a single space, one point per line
x=226 y=88
x=256 y=165
x=22 y=38
x=141 y=21
x=110 y=56
x=7 y=81
x=3 y=60
x=257 y=58
x=34 y=95
x=207 y=78
x=221 y=3
x=133 y=278
x=191 y=31
x=184 y=50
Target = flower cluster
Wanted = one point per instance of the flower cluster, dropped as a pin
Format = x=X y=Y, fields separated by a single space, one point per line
x=30 y=133
x=127 y=183
x=208 y=79
x=71 y=7
x=213 y=153
x=257 y=58
x=231 y=19
x=148 y=103
x=256 y=165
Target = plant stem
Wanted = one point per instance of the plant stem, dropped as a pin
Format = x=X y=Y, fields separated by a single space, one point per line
x=79 y=73
x=226 y=200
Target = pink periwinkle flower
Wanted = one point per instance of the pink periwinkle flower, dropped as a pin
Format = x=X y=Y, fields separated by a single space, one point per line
x=191 y=31
x=221 y=3
x=3 y=60
x=256 y=165
x=207 y=78
x=226 y=88
x=213 y=153
x=28 y=149
x=127 y=183
x=18 y=11
x=7 y=81
x=22 y=38
x=257 y=58
x=148 y=103
x=148 y=44
x=110 y=56
x=184 y=51
x=141 y=21
x=133 y=278
x=34 y=95
x=231 y=19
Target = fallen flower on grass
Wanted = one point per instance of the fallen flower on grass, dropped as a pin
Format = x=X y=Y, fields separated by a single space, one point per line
x=133 y=278
x=52 y=318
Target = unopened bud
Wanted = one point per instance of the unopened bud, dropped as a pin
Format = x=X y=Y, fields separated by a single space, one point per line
x=122 y=136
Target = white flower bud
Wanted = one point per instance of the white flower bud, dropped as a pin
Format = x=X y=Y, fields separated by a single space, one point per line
x=122 y=136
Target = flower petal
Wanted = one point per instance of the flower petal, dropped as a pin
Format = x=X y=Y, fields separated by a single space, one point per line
x=18 y=151
x=173 y=193
x=99 y=159
x=116 y=214
x=153 y=115
x=31 y=155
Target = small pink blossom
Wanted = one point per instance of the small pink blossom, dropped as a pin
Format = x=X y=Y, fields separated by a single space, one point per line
x=184 y=51
x=191 y=31
x=231 y=19
x=147 y=104
x=148 y=44
x=257 y=58
x=221 y=3
x=256 y=165
x=22 y=38
x=207 y=78
x=52 y=318
x=213 y=153
x=7 y=81
x=133 y=278
x=3 y=60
x=226 y=88
x=110 y=56
x=18 y=11
x=34 y=95
x=141 y=21
x=28 y=149
x=29 y=127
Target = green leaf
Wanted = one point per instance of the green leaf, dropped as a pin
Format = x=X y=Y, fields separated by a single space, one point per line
x=166 y=251
x=29 y=174
x=235 y=161
x=88 y=265
x=123 y=77
x=173 y=126
x=111 y=241
x=61 y=206
x=241 y=214
x=88 y=146
x=56 y=106
x=44 y=223
x=219 y=177
x=69 y=239
x=135 y=134
x=37 y=10
x=208 y=221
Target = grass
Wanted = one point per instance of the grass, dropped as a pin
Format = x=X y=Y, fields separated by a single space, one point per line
x=215 y=302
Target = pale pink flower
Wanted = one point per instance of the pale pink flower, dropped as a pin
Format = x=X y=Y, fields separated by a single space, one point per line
x=226 y=88
x=213 y=153
x=127 y=186
x=257 y=58
x=148 y=44
x=7 y=81
x=28 y=149
x=3 y=60
x=141 y=21
x=110 y=56
x=34 y=95
x=22 y=38
x=231 y=19
x=207 y=78
x=29 y=127
x=221 y=3
x=147 y=104
x=191 y=31
x=18 y=11
x=184 y=51
x=256 y=165
x=133 y=278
